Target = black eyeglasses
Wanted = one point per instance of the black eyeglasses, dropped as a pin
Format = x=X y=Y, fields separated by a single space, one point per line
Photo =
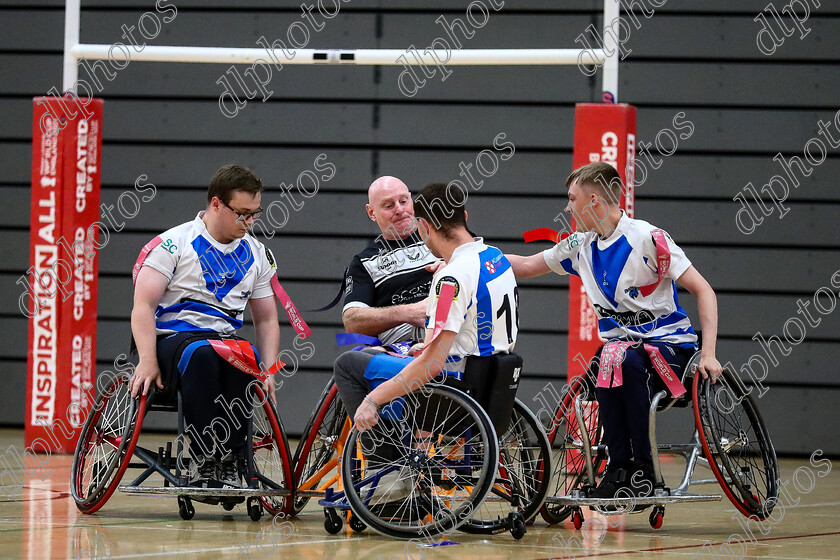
x=245 y=215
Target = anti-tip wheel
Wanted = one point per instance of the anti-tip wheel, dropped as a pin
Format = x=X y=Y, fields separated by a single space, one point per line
x=577 y=518
x=185 y=508
x=357 y=524
x=254 y=509
x=517 y=526
x=656 y=517
x=228 y=505
x=332 y=522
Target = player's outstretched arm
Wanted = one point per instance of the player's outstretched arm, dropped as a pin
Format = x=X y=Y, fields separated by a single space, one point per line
x=694 y=282
x=267 y=330
x=374 y=320
x=148 y=291
x=528 y=267
x=416 y=374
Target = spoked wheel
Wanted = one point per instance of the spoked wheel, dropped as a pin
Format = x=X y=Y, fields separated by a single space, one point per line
x=736 y=444
x=106 y=445
x=566 y=440
x=522 y=476
x=319 y=448
x=446 y=454
x=271 y=454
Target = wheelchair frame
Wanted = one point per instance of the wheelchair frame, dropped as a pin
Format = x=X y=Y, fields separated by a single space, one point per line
x=109 y=442
x=316 y=478
x=709 y=447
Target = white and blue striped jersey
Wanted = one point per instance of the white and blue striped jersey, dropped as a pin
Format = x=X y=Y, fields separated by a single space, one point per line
x=613 y=269
x=485 y=311
x=210 y=283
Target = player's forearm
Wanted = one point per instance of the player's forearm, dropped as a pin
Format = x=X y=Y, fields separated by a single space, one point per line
x=144 y=332
x=528 y=267
x=267 y=342
x=374 y=320
x=707 y=308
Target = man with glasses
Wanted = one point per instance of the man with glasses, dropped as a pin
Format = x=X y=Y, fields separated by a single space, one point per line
x=190 y=292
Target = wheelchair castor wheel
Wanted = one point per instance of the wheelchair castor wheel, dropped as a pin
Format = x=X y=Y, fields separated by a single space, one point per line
x=656 y=517
x=332 y=522
x=356 y=524
x=254 y=509
x=516 y=525
x=577 y=518
x=185 y=508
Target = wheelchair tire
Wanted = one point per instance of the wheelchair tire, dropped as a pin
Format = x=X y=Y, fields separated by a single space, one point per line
x=271 y=454
x=449 y=472
x=564 y=436
x=524 y=466
x=319 y=445
x=106 y=445
x=736 y=444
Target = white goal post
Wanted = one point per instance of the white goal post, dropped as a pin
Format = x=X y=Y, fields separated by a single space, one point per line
x=74 y=51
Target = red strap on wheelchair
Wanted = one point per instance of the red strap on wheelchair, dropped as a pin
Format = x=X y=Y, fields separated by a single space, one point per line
x=609 y=370
x=295 y=319
x=141 y=258
x=663 y=261
x=232 y=353
x=544 y=234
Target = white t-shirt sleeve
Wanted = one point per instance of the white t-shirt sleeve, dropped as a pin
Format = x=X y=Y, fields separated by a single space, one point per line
x=164 y=257
x=679 y=262
x=266 y=268
x=563 y=257
x=458 y=309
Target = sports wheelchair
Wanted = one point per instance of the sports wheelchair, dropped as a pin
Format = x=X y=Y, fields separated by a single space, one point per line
x=456 y=465
x=109 y=446
x=730 y=439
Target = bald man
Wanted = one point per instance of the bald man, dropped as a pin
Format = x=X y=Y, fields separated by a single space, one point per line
x=387 y=283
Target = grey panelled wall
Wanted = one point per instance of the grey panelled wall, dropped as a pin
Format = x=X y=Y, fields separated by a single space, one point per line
x=163 y=121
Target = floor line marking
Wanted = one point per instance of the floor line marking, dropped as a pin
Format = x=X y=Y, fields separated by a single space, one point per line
x=218 y=549
x=664 y=548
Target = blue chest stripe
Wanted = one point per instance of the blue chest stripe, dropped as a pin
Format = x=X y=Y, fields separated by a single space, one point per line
x=608 y=264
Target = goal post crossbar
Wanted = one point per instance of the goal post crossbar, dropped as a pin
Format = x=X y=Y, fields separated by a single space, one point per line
x=383 y=57
x=74 y=51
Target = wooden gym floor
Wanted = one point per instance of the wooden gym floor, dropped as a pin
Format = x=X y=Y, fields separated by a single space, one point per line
x=41 y=521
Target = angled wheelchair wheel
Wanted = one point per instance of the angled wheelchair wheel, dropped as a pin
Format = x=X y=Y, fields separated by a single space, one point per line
x=442 y=459
x=522 y=478
x=566 y=440
x=317 y=453
x=106 y=445
x=271 y=454
x=736 y=444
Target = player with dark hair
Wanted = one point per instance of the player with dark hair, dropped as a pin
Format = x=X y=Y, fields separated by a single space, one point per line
x=190 y=293
x=629 y=268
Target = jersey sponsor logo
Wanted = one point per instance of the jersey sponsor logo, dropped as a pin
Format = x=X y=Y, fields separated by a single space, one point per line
x=270 y=257
x=348 y=289
x=516 y=373
x=245 y=294
x=411 y=295
x=572 y=241
x=448 y=280
x=386 y=262
x=490 y=268
x=632 y=291
x=626 y=318
x=170 y=246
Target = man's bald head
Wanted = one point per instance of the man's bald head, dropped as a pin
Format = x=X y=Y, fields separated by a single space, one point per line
x=390 y=206
x=385 y=185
